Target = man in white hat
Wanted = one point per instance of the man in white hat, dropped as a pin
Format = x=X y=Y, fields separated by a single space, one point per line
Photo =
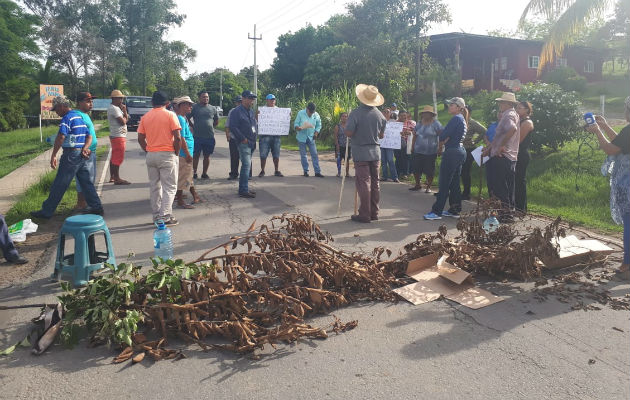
x=503 y=152
x=366 y=124
x=183 y=106
x=117 y=118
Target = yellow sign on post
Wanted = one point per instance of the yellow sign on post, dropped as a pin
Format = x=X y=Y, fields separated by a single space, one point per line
x=46 y=95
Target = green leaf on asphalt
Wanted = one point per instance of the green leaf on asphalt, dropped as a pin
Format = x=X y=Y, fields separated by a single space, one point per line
x=24 y=343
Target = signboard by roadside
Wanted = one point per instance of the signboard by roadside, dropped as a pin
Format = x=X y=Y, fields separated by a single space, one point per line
x=46 y=95
x=274 y=121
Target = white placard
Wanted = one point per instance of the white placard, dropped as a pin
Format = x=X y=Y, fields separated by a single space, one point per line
x=274 y=121
x=392 y=137
x=477 y=155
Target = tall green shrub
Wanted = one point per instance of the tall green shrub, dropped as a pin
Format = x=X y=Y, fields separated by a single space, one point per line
x=567 y=78
x=556 y=113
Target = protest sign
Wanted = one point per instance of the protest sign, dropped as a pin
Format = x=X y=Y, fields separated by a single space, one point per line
x=274 y=121
x=46 y=95
x=391 y=140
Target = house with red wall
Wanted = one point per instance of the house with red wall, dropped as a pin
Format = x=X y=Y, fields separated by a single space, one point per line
x=498 y=63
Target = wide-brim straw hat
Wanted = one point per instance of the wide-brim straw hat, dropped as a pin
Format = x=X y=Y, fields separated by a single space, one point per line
x=508 y=97
x=369 y=95
x=428 y=109
x=116 y=93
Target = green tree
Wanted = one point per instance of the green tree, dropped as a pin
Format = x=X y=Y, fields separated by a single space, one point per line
x=17 y=45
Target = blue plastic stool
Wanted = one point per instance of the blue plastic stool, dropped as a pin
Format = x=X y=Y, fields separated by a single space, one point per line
x=86 y=259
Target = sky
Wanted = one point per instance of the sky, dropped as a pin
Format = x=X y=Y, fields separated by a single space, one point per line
x=219 y=30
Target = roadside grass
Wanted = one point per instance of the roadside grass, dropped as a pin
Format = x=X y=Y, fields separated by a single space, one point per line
x=615 y=89
x=20 y=146
x=32 y=198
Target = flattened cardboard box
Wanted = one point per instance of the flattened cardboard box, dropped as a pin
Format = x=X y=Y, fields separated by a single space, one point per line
x=573 y=250
x=437 y=278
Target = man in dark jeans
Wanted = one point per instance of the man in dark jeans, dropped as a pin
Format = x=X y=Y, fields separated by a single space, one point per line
x=243 y=126
x=75 y=139
x=8 y=248
x=503 y=152
x=234 y=157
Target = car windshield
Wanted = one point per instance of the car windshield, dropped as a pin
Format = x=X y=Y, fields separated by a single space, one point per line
x=139 y=102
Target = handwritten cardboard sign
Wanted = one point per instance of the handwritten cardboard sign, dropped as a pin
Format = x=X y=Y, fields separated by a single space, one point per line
x=392 y=137
x=274 y=121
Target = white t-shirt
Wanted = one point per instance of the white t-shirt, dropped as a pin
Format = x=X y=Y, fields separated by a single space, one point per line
x=116 y=129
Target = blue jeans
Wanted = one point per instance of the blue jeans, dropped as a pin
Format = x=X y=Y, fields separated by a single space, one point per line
x=245 y=155
x=388 y=166
x=313 y=150
x=71 y=164
x=269 y=143
x=450 y=170
x=91 y=166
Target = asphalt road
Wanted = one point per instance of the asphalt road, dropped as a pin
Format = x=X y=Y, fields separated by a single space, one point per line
x=517 y=349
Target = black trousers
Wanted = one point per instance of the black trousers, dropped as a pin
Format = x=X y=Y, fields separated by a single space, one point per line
x=402 y=161
x=520 y=181
x=501 y=180
x=466 y=168
x=234 y=158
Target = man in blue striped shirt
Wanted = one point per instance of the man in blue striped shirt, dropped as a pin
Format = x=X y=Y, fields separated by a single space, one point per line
x=74 y=137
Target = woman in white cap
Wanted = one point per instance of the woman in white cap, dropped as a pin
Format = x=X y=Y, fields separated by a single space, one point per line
x=617 y=146
x=453 y=157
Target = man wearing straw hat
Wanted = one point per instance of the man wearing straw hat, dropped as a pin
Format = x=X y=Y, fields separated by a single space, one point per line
x=366 y=124
x=117 y=118
x=503 y=152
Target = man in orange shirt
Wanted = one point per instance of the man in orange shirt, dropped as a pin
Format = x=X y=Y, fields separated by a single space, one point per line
x=159 y=136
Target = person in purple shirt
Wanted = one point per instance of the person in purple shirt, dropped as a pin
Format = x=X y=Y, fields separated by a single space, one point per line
x=453 y=158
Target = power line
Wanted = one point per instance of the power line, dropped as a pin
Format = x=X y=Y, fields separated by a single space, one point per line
x=277 y=25
x=273 y=14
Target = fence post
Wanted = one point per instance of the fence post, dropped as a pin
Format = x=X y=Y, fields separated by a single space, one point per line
x=602 y=101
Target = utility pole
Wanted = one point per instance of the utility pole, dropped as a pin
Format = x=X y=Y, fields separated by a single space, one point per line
x=254 y=38
x=221 y=90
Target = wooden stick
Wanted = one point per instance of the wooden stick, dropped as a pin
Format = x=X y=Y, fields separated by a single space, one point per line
x=343 y=180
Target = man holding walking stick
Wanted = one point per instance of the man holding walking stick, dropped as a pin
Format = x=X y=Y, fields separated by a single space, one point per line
x=366 y=124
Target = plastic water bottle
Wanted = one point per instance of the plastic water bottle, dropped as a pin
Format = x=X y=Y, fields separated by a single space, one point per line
x=163 y=241
x=491 y=224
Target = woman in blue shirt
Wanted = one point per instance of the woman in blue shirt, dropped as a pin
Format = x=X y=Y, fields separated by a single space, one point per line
x=425 y=147
x=452 y=159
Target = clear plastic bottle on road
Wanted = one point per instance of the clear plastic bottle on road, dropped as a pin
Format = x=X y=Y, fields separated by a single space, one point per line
x=163 y=241
x=491 y=224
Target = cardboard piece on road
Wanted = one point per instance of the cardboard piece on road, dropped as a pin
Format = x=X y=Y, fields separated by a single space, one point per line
x=436 y=278
x=572 y=250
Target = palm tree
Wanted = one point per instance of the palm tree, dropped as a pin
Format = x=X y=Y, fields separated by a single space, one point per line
x=574 y=15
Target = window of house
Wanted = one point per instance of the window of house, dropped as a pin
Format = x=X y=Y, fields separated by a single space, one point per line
x=589 y=66
x=561 y=62
x=503 y=63
x=532 y=62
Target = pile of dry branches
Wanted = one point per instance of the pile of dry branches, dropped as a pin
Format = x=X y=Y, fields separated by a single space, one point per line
x=287 y=271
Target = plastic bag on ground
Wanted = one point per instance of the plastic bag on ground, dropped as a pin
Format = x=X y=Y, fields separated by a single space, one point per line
x=18 y=231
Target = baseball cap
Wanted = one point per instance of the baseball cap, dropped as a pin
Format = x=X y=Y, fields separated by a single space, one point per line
x=457 y=100
x=394 y=105
x=270 y=97
x=82 y=96
x=237 y=99
x=159 y=98
x=248 y=94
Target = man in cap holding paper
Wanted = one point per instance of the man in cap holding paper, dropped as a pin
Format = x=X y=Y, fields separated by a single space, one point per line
x=269 y=143
x=503 y=152
x=243 y=126
x=74 y=137
x=117 y=118
x=365 y=126
x=308 y=124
